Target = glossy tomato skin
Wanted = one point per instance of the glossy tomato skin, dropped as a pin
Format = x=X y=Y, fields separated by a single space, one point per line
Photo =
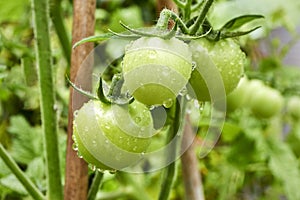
x=156 y=70
x=112 y=137
x=226 y=55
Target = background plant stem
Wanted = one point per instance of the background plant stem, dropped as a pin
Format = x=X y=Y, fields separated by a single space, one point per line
x=47 y=101
x=27 y=183
x=57 y=19
x=76 y=185
x=95 y=185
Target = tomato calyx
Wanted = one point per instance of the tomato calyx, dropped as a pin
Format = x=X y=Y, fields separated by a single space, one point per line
x=114 y=95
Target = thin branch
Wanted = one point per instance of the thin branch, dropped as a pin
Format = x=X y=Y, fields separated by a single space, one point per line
x=201 y=17
x=27 y=183
x=95 y=185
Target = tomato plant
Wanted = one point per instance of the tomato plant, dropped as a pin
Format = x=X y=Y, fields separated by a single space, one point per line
x=112 y=136
x=155 y=70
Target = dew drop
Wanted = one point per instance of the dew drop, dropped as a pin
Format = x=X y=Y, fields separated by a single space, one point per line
x=92 y=167
x=138 y=119
x=74 y=147
x=152 y=107
x=194 y=65
x=74 y=138
x=143 y=154
x=152 y=54
x=134 y=148
x=112 y=171
x=55 y=107
x=75 y=113
x=183 y=91
x=168 y=103
x=79 y=154
x=188 y=97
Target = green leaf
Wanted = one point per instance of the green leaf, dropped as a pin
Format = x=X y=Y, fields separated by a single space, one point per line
x=12 y=183
x=285 y=167
x=238 y=22
x=226 y=34
x=27 y=142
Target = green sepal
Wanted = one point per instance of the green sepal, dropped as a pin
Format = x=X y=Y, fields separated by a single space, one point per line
x=239 y=21
x=95 y=38
x=236 y=34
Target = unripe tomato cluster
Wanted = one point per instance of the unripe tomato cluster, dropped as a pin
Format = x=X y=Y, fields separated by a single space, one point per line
x=155 y=72
x=263 y=100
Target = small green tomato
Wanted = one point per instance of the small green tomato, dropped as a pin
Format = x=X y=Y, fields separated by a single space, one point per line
x=156 y=70
x=226 y=55
x=112 y=137
x=266 y=102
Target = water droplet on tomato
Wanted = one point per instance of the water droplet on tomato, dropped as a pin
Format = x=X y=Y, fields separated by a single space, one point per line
x=55 y=107
x=112 y=171
x=74 y=147
x=79 y=154
x=92 y=167
x=75 y=113
x=194 y=65
x=138 y=119
x=152 y=54
x=118 y=156
x=188 y=97
x=168 y=103
x=183 y=91
x=152 y=107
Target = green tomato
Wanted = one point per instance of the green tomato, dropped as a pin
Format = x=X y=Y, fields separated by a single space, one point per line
x=112 y=136
x=238 y=97
x=156 y=70
x=226 y=55
x=266 y=102
x=293 y=107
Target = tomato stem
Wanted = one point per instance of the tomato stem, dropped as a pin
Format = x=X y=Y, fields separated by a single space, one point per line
x=47 y=98
x=165 y=16
x=95 y=185
x=200 y=19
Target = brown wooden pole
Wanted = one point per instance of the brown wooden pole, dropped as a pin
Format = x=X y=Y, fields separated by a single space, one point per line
x=189 y=164
x=76 y=179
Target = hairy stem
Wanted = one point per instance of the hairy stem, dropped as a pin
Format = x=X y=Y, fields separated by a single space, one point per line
x=47 y=99
x=201 y=17
x=57 y=19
